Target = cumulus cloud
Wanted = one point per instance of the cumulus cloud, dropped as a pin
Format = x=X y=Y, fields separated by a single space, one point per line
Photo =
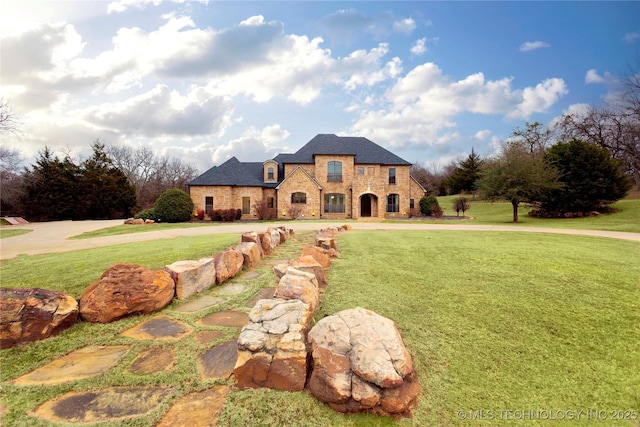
x=122 y=5
x=253 y=145
x=419 y=47
x=405 y=26
x=593 y=77
x=421 y=106
x=162 y=111
x=482 y=134
x=529 y=46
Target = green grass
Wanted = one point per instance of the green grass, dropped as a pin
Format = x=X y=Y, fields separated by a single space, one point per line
x=130 y=229
x=626 y=219
x=493 y=320
x=6 y=232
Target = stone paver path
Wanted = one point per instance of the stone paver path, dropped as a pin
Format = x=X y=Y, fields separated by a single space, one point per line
x=156 y=359
x=159 y=328
x=95 y=406
x=219 y=361
x=156 y=349
x=204 y=302
x=80 y=364
x=197 y=409
x=228 y=318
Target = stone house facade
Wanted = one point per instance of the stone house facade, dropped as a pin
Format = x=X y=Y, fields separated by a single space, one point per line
x=329 y=177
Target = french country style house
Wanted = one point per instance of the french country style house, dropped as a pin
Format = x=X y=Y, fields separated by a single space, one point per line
x=329 y=177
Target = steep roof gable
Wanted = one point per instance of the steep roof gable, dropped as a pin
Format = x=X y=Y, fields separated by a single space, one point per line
x=232 y=172
x=363 y=150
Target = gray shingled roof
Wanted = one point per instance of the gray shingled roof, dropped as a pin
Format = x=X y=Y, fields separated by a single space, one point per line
x=250 y=174
x=364 y=150
x=234 y=172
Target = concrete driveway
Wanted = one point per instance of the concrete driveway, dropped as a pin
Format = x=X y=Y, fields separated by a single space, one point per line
x=51 y=237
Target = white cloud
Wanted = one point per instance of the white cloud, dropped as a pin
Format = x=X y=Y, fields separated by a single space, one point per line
x=405 y=26
x=419 y=47
x=253 y=145
x=529 y=46
x=119 y=6
x=421 y=106
x=593 y=77
x=162 y=111
x=482 y=134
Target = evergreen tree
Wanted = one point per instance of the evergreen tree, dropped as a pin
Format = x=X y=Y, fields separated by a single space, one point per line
x=466 y=174
x=592 y=178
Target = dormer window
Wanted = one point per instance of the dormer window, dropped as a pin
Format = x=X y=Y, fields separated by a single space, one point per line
x=270 y=174
x=270 y=171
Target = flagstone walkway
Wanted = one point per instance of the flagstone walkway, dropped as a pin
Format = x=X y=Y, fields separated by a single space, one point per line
x=114 y=404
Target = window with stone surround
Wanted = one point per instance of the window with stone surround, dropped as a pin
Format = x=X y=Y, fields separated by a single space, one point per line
x=360 y=170
x=208 y=204
x=270 y=174
x=270 y=203
x=299 y=197
x=334 y=172
x=392 y=175
x=393 y=203
x=246 y=205
x=334 y=203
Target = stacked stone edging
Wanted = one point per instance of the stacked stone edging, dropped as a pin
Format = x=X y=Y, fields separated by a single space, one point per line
x=127 y=289
x=354 y=361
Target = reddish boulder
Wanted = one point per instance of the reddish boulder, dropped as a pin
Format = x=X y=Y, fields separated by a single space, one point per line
x=228 y=264
x=318 y=254
x=254 y=237
x=124 y=290
x=308 y=264
x=266 y=243
x=34 y=314
x=301 y=285
x=251 y=254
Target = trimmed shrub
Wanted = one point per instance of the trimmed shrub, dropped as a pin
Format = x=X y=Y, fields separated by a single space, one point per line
x=225 y=215
x=174 y=205
x=461 y=204
x=200 y=214
x=146 y=214
x=428 y=204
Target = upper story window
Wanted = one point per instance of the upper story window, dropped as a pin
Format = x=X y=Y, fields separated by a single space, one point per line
x=334 y=172
x=298 y=197
x=392 y=175
x=270 y=174
x=360 y=170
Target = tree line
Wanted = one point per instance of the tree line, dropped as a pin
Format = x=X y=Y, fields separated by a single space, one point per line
x=582 y=162
x=114 y=182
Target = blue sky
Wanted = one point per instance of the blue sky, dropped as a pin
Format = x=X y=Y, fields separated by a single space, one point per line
x=207 y=80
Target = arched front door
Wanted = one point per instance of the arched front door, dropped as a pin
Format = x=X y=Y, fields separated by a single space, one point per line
x=368 y=205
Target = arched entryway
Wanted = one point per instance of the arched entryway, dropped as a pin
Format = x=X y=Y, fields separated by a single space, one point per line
x=368 y=205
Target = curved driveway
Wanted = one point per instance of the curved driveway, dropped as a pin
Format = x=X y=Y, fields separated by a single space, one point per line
x=51 y=237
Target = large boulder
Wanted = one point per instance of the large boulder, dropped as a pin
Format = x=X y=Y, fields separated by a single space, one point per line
x=272 y=350
x=360 y=364
x=275 y=236
x=192 y=277
x=33 y=314
x=325 y=239
x=266 y=243
x=124 y=290
x=301 y=285
x=251 y=253
x=319 y=254
x=308 y=264
x=254 y=237
x=227 y=264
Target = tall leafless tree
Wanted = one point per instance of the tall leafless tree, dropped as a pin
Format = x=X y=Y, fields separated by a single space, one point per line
x=151 y=174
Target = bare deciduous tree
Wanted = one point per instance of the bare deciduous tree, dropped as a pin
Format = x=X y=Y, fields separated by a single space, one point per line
x=9 y=119
x=151 y=174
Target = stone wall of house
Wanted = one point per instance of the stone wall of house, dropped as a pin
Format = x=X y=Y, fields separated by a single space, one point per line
x=298 y=181
x=227 y=197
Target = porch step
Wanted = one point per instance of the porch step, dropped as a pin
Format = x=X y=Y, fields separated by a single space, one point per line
x=15 y=220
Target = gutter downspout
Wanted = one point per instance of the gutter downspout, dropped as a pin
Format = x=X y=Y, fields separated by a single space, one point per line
x=351 y=201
